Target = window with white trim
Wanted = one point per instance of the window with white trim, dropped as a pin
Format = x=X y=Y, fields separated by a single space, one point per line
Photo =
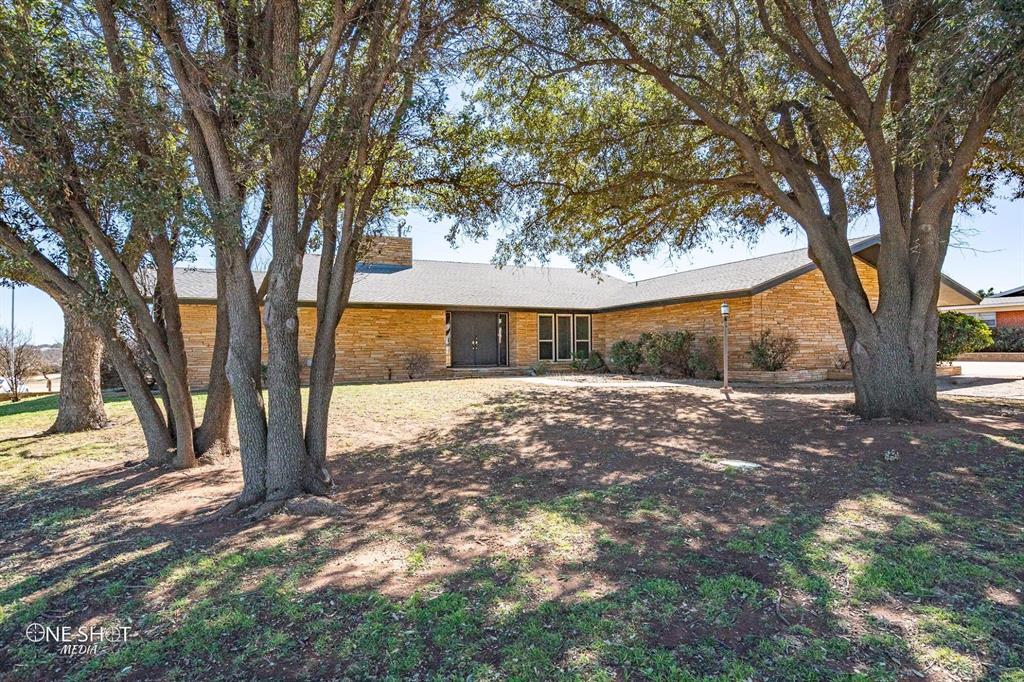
x=546 y=337
x=560 y=336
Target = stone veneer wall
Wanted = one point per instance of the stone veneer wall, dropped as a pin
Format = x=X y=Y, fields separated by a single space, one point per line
x=370 y=341
x=703 y=318
x=522 y=340
x=805 y=309
x=802 y=307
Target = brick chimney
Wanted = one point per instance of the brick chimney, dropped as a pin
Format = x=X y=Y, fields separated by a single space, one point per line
x=382 y=250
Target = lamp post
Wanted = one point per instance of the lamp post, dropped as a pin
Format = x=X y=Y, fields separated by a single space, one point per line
x=725 y=348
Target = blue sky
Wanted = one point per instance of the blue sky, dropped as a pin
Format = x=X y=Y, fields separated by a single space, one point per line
x=995 y=258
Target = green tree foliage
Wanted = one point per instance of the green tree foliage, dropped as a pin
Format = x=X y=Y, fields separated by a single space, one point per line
x=961 y=333
x=627 y=126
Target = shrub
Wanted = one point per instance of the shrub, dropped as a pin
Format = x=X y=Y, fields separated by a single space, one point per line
x=588 y=362
x=770 y=352
x=668 y=352
x=841 y=361
x=703 y=360
x=539 y=368
x=626 y=356
x=1007 y=340
x=961 y=333
x=416 y=364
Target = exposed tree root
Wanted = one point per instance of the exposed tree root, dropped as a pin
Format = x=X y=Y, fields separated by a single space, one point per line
x=95 y=425
x=228 y=511
x=267 y=508
x=301 y=505
x=316 y=505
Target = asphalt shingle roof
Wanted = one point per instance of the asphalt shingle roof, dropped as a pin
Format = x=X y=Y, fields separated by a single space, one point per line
x=453 y=284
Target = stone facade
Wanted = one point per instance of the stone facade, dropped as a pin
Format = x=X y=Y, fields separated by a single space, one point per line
x=802 y=307
x=522 y=339
x=805 y=309
x=702 y=318
x=374 y=343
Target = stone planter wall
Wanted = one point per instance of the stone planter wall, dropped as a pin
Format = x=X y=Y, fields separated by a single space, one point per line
x=991 y=357
x=783 y=376
x=847 y=375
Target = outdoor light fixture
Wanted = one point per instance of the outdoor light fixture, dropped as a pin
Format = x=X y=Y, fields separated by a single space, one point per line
x=725 y=348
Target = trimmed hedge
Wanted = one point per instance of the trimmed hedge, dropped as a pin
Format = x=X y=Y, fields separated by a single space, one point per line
x=626 y=356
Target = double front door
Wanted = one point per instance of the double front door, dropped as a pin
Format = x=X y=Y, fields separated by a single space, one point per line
x=478 y=339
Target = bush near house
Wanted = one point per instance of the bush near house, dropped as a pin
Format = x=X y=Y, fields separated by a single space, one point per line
x=587 y=362
x=1007 y=340
x=675 y=353
x=703 y=363
x=626 y=356
x=960 y=333
x=668 y=352
x=771 y=352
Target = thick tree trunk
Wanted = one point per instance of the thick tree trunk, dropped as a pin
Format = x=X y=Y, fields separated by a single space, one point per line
x=243 y=370
x=287 y=462
x=159 y=443
x=212 y=435
x=893 y=348
x=893 y=374
x=286 y=448
x=321 y=386
x=80 y=407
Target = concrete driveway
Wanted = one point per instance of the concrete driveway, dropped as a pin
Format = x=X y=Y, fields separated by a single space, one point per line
x=986 y=380
x=999 y=370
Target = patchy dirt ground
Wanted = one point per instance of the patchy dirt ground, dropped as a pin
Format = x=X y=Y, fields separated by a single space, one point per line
x=534 y=530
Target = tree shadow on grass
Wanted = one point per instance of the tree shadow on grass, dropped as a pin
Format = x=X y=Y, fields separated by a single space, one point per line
x=570 y=533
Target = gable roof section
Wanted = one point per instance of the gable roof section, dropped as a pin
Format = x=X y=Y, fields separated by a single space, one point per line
x=431 y=283
x=1016 y=291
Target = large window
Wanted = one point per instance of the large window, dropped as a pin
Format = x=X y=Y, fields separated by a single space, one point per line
x=582 y=335
x=987 y=318
x=560 y=335
x=546 y=337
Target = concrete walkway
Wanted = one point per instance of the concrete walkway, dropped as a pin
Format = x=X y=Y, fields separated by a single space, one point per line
x=1004 y=382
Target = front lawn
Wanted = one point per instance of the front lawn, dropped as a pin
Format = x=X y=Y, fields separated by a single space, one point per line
x=502 y=529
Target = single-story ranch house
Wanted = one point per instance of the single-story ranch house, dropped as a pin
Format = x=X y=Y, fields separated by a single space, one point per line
x=1005 y=309
x=472 y=315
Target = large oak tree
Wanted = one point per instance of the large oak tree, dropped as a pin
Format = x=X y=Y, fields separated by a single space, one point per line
x=626 y=125
x=326 y=101
x=98 y=204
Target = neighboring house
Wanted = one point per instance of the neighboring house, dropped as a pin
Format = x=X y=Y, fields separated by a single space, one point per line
x=471 y=315
x=1005 y=309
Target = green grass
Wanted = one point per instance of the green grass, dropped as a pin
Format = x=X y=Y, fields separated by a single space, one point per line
x=557 y=567
x=724 y=596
